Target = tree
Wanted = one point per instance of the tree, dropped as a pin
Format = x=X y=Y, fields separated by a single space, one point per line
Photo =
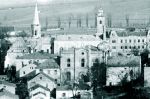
x=69 y=21
x=87 y=20
x=59 y=22
x=127 y=20
x=109 y=20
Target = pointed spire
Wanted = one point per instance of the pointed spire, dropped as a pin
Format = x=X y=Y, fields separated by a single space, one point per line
x=36 y=15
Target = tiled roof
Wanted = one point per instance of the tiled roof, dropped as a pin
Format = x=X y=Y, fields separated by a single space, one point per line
x=37 y=86
x=48 y=64
x=75 y=37
x=9 y=94
x=74 y=31
x=7 y=83
x=42 y=74
x=38 y=55
x=128 y=33
x=121 y=61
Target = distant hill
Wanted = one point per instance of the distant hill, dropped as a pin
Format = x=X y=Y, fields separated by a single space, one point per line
x=21 y=16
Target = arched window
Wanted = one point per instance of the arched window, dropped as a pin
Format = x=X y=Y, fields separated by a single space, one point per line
x=100 y=22
x=82 y=62
x=68 y=74
x=68 y=62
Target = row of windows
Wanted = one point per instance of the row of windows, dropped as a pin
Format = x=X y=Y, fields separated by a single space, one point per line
x=69 y=62
x=130 y=41
x=129 y=47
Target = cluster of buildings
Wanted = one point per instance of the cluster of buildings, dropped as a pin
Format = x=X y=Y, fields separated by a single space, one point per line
x=51 y=62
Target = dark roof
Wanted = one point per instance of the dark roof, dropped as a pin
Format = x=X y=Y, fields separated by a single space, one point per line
x=7 y=83
x=121 y=61
x=9 y=94
x=38 y=55
x=128 y=33
x=37 y=86
x=42 y=74
x=48 y=64
x=74 y=31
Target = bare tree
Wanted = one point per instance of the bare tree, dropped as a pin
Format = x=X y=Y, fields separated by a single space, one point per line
x=46 y=23
x=127 y=20
x=69 y=21
x=95 y=20
x=109 y=20
x=59 y=22
x=87 y=20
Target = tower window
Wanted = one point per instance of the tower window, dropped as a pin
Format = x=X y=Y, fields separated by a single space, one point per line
x=35 y=32
x=68 y=74
x=68 y=62
x=100 y=22
x=82 y=62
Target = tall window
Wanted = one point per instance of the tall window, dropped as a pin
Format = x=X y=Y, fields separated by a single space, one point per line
x=68 y=62
x=121 y=41
x=68 y=74
x=100 y=22
x=82 y=62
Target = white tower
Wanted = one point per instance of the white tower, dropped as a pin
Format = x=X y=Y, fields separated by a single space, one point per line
x=35 y=26
x=101 y=27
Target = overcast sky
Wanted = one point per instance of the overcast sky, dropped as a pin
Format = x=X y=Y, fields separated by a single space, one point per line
x=4 y=3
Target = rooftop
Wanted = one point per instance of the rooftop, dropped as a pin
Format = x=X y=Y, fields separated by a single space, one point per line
x=48 y=64
x=75 y=37
x=120 y=61
x=38 y=55
x=7 y=83
x=129 y=33
x=9 y=94
x=41 y=73
x=78 y=31
x=37 y=86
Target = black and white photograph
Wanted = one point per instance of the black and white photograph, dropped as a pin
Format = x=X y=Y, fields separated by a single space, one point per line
x=74 y=49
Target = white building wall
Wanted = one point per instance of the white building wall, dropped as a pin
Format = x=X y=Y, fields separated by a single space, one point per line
x=115 y=74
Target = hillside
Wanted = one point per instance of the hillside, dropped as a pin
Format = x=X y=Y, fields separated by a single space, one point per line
x=138 y=11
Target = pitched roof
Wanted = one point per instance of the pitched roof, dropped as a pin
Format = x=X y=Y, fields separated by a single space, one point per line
x=128 y=33
x=38 y=55
x=7 y=83
x=48 y=64
x=121 y=61
x=75 y=37
x=9 y=94
x=43 y=75
x=79 y=31
x=37 y=86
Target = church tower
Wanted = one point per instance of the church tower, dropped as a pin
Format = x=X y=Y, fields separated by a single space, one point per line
x=35 y=26
x=101 y=27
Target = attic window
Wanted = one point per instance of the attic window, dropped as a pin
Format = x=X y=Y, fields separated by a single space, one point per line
x=41 y=78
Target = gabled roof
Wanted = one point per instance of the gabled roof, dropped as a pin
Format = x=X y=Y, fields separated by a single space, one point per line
x=48 y=64
x=9 y=94
x=41 y=73
x=128 y=33
x=37 y=86
x=78 y=31
x=38 y=55
x=122 y=61
x=7 y=83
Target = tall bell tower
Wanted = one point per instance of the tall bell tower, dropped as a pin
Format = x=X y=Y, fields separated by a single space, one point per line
x=35 y=26
x=101 y=26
